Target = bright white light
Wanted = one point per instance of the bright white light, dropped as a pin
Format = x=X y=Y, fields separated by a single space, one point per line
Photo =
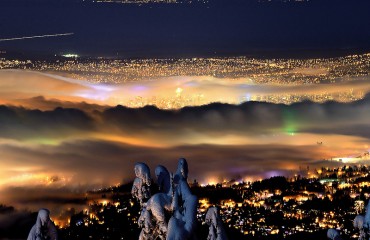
x=70 y=55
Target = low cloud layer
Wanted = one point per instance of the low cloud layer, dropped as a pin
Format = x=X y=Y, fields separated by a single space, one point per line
x=52 y=143
x=246 y=122
x=101 y=147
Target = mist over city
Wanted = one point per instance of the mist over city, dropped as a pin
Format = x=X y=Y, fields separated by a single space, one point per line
x=176 y=119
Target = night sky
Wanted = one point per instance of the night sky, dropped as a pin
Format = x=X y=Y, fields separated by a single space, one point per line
x=160 y=30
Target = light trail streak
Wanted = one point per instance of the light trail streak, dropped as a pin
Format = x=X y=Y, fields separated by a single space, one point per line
x=37 y=36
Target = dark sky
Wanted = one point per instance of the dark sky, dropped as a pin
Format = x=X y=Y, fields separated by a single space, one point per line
x=222 y=27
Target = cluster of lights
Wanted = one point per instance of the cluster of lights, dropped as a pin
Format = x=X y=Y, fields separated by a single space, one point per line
x=275 y=72
x=250 y=214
